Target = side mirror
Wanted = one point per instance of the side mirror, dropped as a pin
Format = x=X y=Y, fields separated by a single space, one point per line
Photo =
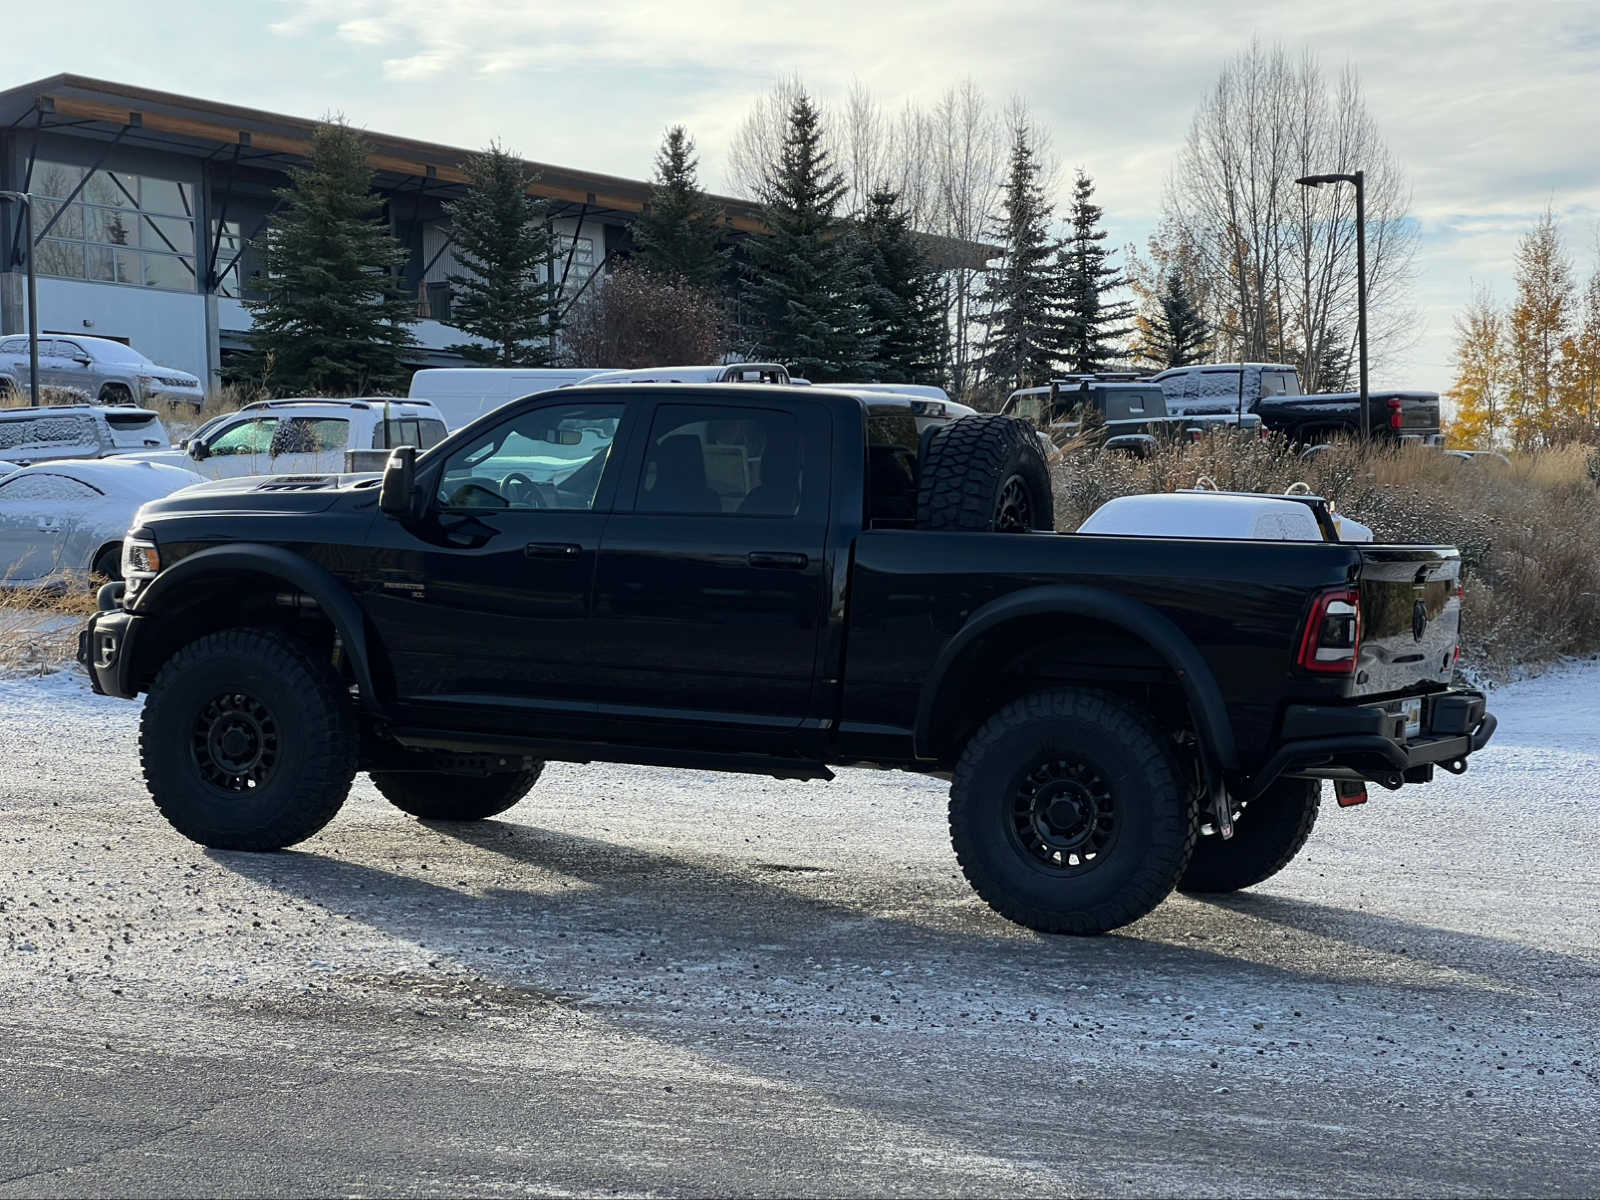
x=198 y=450
x=83 y=360
x=398 y=489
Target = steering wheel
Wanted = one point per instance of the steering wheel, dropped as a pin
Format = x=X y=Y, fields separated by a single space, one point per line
x=467 y=496
x=523 y=491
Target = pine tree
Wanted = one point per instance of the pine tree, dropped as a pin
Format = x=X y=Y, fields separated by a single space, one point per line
x=1335 y=365
x=806 y=278
x=332 y=319
x=1090 y=325
x=1174 y=334
x=678 y=233
x=1020 y=305
x=502 y=237
x=905 y=300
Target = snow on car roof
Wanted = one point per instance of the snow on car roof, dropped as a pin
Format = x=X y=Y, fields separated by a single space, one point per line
x=119 y=477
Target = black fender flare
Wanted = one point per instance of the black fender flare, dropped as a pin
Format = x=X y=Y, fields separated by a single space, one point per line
x=293 y=569
x=1211 y=719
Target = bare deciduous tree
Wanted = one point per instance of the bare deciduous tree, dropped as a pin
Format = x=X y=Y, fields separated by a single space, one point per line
x=1278 y=261
x=633 y=318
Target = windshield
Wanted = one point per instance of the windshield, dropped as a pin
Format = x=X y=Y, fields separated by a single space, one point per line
x=114 y=352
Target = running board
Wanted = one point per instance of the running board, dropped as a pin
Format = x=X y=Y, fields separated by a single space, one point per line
x=583 y=752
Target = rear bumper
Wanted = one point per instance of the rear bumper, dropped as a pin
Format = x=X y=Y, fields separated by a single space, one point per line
x=105 y=648
x=1368 y=741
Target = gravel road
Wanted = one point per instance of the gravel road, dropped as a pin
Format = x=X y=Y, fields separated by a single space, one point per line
x=647 y=982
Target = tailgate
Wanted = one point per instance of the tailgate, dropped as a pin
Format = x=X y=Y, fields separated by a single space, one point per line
x=1410 y=618
x=1419 y=413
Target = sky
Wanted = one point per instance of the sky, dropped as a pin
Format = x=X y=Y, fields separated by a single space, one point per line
x=1490 y=107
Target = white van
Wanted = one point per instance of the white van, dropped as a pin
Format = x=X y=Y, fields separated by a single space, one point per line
x=463 y=394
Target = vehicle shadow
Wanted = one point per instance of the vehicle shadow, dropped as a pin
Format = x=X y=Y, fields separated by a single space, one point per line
x=702 y=910
x=849 y=984
x=1515 y=965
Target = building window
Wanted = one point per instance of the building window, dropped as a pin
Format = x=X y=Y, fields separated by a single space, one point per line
x=582 y=265
x=121 y=228
x=436 y=302
x=229 y=246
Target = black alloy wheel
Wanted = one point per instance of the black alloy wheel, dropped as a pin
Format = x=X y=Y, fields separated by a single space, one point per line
x=1064 y=816
x=1014 y=510
x=235 y=742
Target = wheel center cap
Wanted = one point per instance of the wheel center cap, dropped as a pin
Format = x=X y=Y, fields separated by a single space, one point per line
x=235 y=743
x=1064 y=814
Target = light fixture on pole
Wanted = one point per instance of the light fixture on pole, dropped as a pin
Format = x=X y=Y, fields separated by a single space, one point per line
x=24 y=199
x=1359 y=180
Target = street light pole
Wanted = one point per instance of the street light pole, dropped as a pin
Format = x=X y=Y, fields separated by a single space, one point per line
x=1359 y=179
x=24 y=199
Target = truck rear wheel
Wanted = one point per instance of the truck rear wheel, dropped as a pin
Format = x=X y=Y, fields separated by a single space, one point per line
x=1068 y=812
x=984 y=472
x=248 y=741
x=1267 y=835
x=437 y=796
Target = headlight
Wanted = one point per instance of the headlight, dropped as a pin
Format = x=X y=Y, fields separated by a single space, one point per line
x=140 y=557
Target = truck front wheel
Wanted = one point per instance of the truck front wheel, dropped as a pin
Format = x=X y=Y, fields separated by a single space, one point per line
x=1267 y=834
x=437 y=796
x=1068 y=812
x=248 y=741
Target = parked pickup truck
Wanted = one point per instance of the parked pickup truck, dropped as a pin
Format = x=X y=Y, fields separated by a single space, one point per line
x=1130 y=416
x=779 y=581
x=1272 y=391
x=297 y=437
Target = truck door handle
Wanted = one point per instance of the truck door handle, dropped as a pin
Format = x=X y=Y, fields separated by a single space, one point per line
x=778 y=560
x=552 y=550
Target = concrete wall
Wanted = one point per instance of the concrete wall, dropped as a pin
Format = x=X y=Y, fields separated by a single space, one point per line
x=169 y=327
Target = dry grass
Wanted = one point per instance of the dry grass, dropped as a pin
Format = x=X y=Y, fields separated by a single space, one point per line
x=1529 y=534
x=39 y=627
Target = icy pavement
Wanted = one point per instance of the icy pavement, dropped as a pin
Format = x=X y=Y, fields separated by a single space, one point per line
x=671 y=982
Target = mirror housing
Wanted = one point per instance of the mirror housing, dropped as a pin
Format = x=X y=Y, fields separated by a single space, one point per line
x=396 y=494
x=198 y=451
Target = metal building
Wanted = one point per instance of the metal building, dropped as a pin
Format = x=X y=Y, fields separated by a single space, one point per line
x=147 y=204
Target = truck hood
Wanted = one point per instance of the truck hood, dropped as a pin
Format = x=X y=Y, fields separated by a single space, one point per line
x=267 y=494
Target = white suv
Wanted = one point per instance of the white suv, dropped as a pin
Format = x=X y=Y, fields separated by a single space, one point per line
x=106 y=371
x=302 y=437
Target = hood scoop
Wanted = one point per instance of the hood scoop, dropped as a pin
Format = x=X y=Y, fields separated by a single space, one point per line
x=297 y=483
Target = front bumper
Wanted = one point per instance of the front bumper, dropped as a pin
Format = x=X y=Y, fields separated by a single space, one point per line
x=1368 y=741
x=105 y=648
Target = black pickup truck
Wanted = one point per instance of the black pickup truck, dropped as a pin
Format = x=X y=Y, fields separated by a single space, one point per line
x=1272 y=392
x=777 y=581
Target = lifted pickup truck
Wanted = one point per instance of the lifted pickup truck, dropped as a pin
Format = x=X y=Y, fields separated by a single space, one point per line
x=777 y=580
x=1272 y=392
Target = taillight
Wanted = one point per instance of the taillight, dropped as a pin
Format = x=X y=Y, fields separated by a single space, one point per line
x=1394 y=414
x=1332 y=637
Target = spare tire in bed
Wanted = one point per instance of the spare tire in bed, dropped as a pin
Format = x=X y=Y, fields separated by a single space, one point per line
x=984 y=472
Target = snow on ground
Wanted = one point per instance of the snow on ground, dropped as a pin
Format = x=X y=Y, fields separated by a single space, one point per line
x=646 y=980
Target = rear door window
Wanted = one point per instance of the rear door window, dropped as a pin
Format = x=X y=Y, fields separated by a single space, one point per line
x=710 y=460
x=423 y=433
x=311 y=435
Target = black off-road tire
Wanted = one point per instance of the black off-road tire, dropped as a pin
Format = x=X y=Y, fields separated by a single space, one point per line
x=1267 y=834
x=984 y=472
x=1125 y=805
x=438 y=796
x=114 y=394
x=248 y=741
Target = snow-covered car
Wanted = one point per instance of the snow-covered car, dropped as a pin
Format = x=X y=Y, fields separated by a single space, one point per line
x=30 y=435
x=7 y=467
x=64 y=520
x=307 y=436
x=106 y=371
